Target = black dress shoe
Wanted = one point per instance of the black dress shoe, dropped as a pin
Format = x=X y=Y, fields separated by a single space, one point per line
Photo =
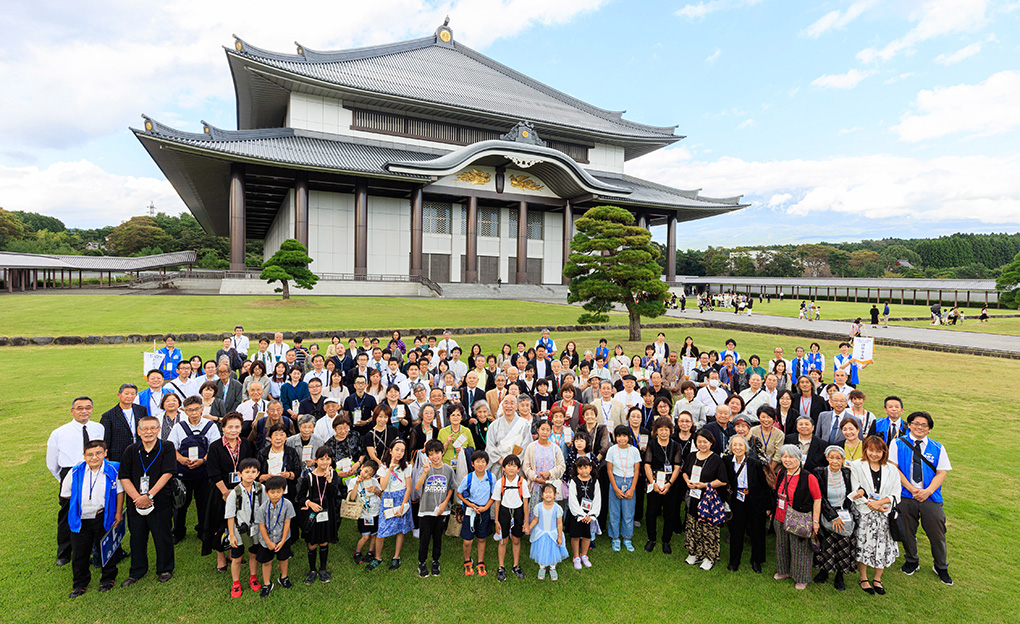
x=667 y=549
x=869 y=589
x=756 y=567
x=164 y=577
x=105 y=587
x=822 y=577
x=649 y=546
x=838 y=582
x=63 y=561
x=128 y=582
x=732 y=568
x=77 y=591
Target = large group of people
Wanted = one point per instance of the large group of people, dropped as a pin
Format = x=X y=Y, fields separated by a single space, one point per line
x=275 y=445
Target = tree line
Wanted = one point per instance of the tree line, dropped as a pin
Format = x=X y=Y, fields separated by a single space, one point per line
x=29 y=232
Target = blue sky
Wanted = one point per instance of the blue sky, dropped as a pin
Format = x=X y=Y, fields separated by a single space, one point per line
x=838 y=120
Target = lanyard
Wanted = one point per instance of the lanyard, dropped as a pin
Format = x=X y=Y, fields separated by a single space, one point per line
x=251 y=501
x=145 y=469
x=92 y=483
x=320 y=490
x=234 y=453
x=279 y=513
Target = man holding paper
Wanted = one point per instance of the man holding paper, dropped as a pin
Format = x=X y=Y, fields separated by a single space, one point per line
x=507 y=435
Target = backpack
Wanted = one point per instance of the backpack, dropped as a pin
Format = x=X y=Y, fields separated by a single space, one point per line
x=502 y=488
x=239 y=493
x=195 y=440
x=488 y=478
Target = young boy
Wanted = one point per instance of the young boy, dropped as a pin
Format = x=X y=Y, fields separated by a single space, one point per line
x=585 y=503
x=475 y=493
x=273 y=518
x=92 y=512
x=371 y=498
x=510 y=510
x=436 y=484
x=241 y=505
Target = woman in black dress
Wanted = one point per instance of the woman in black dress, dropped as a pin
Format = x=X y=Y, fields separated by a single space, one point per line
x=318 y=506
x=221 y=466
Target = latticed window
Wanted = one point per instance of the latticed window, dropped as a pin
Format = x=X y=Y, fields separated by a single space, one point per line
x=488 y=222
x=436 y=217
x=536 y=224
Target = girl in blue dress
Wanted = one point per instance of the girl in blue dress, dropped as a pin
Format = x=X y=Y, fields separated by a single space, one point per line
x=547 y=547
x=395 y=515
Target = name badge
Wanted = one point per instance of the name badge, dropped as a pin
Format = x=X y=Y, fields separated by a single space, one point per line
x=356 y=415
x=741 y=494
x=234 y=477
x=370 y=521
x=306 y=453
x=586 y=504
x=345 y=464
x=668 y=469
x=643 y=441
x=143 y=484
x=844 y=515
x=387 y=503
x=193 y=453
x=781 y=504
x=322 y=516
x=295 y=404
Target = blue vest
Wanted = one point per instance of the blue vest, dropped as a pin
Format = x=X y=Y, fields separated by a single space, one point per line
x=836 y=361
x=882 y=428
x=171 y=357
x=109 y=507
x=145 y=400
x=799 y=366
x=905 y=459
x=814 y=361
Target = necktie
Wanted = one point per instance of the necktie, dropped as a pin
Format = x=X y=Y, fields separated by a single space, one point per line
x=84 y=435
x=835 y=425
x=916 y=473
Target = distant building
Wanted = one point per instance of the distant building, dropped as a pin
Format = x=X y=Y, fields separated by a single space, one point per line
x=420 y=158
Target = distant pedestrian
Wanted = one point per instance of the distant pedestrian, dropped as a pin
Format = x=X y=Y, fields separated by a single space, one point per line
x=874 y=315
x=885 y=315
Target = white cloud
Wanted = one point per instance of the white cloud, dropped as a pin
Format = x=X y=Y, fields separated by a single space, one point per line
x=898 y=78
x=701 y=9
x=982 y=109
x=713 y=57
x=843 y=131
x=747 y=123
x=89 y=69
x=933 y=18
x=961 y=54
x=979 y=189
x=849 y=80
x=81 y=194
x=835 y=20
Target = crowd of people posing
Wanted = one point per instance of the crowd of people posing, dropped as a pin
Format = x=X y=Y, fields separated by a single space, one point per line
x=276 y=445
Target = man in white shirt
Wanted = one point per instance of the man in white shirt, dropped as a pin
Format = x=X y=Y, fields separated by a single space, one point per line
x=278 y=349
x=64 y=450
x=611 y=412
x=540 y=363
x=184 y=385
x=713 y=394
x=324 y=426
x=839 y=379
x=420 y=398
x=239 y=342
x=318 y=372
x=263 y=354
x=458 y=368
x=628 y=396
x=254 y=408
x=393 y=377
x=777 y=356
x=447 y=343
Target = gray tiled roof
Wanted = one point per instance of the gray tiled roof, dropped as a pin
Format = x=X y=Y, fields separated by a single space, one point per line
x=846 y=282
x=96 y=263
x=452 y=74
x=287 y=146
x=647 y=192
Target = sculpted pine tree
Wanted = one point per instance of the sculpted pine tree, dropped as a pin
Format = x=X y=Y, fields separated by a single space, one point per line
x=1008 y=284
x=288 y=264
x=613 y=261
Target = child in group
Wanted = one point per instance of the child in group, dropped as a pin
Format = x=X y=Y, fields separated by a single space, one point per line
x=511 y=508
x=475 y=493
x=241 y=504
x=370 y=495
x=395 y=518
x=436 y=483
x=88 y=526
x=274 y=518
x=584 y=504
x=622 y=462
x=546 y=529
x=317 y=495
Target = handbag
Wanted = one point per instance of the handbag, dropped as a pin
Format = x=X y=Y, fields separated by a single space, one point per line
x=848 y=527
x=178 y=492
x=455 y=520
x=798 y=523
x=897 y=526
x=710 y=509
x=350 y=506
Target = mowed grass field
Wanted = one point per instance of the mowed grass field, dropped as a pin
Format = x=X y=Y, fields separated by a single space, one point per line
x=831 y=310
x=1005 y=326
x=80 y=315
x=981 y=494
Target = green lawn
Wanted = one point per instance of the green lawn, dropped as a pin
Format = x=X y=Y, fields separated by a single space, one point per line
x=78 y=315
x=1007 y=326
x=622 y=587
x=850 y=310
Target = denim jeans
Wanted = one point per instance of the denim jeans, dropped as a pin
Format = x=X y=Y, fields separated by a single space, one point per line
x=621 y=512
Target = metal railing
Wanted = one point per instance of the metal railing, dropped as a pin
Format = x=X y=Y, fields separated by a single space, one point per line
x=329 y=277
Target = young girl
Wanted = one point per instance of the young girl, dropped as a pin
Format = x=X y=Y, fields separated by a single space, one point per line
x=317 y=496
x=585 y=502
x=547 y=547
x=368 y=492
x=622 y=462
x=395 y=518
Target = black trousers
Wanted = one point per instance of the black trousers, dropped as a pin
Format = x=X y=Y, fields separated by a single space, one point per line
x=639 y=496
x=63 y=531
x=431 y=528
x=82 y=543
x=157 y=524
x=604 y=489
x=664 y=505
x=198 y=490
x=748 y=518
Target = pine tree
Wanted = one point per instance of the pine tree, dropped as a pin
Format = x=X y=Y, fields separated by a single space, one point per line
x=289 y=263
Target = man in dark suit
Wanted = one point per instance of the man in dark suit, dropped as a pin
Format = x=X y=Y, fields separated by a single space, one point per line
x=360 y=369
x=541 y=363
x=471 y=393
x=121 y=423
x=806 y=401
x=721 y=428
x=228 y=388
x=828 y=428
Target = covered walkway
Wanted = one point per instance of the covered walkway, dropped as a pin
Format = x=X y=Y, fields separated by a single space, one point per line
x=24 y=272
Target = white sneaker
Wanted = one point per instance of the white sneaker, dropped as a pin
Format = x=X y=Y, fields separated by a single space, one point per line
x=585 y=562
x=707 y=564
x=415 y=533
x=691 y=560
x=577 y=563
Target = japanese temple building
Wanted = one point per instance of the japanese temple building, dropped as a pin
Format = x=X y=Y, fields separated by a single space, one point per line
x=418 y=158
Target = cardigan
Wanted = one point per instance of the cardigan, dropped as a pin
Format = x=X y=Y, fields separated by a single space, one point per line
x=822 y=474
x=860 y=478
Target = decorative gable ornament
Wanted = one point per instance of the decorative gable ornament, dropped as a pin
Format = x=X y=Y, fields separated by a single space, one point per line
x=523 y=132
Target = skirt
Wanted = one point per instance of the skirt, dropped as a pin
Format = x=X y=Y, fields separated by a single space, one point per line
x=397 y=524
x=701 y=539
x=546 y=552
x=875 y=546
x=837 y=553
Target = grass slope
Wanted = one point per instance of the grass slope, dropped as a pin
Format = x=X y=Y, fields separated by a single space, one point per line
x=622 y=587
